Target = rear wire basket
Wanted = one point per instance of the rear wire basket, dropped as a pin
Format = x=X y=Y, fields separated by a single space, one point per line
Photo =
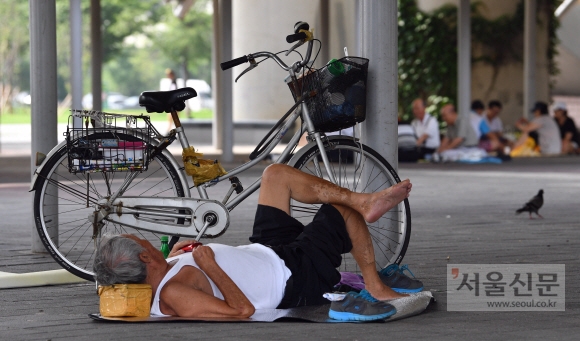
x=337 y=103
x=108 y=142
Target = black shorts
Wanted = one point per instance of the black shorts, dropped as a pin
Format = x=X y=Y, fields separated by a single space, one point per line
x=311 y=252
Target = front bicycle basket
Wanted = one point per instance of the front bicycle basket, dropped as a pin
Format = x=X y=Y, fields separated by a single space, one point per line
x=335 y=102
x=108 y=142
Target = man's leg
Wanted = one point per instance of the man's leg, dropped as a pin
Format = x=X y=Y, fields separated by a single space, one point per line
x=280 y=183
x=364 y=254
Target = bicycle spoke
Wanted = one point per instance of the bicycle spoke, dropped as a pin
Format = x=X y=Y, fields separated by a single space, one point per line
x=62 y=208
x=384 y=235
x=359 y=169
x=72 y=191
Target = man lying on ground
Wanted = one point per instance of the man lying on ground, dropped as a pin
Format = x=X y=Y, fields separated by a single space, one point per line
x=288 y=264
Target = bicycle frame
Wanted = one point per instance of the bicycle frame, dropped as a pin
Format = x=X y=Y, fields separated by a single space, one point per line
x=307 y=126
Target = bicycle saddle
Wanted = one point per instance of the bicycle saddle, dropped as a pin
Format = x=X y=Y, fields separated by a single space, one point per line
x=165 y=101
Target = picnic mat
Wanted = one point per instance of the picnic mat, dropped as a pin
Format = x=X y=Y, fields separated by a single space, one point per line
x=407 y=306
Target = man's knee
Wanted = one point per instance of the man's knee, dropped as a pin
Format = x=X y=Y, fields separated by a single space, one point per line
x=275 y=172
x=346 y=212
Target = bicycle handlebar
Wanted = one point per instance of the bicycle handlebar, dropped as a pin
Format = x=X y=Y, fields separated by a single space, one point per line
x=295 y=37
x=235 y=62
x=302 y=35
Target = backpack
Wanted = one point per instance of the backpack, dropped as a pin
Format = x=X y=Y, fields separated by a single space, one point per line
x=407 y=140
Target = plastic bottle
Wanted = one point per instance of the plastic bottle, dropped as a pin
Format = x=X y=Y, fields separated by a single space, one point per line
x=165 y=246
x=333 y=68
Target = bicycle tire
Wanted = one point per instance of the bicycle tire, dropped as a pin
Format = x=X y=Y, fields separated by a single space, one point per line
x=349 y=161
x=73 y=247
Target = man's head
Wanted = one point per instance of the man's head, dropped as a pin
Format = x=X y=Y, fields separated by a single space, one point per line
x=122 y=260
x=540 y=108
x=477 y=106
x=560 y=110
x=170 y=74
x=448 y=114
x=418 y=106
x=493 y=109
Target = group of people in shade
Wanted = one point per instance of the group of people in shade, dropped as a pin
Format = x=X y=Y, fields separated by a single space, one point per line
x=482 y=130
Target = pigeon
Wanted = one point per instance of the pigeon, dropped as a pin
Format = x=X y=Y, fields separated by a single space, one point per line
x=533 y=205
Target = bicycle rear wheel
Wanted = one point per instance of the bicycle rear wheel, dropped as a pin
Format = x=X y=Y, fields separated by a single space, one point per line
x=63 y=202
x=360 y=169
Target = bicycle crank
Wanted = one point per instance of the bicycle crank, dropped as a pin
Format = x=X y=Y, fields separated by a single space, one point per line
x=185 y=217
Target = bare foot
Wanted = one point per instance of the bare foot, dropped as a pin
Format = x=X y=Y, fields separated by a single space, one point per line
x=384 y=293
x=383 y=201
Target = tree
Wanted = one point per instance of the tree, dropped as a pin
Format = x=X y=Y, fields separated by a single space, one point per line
x=120 y=19
x=427 y=55
x=188 y=42
x=14 y=42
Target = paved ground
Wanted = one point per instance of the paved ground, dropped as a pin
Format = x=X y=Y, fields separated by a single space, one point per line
x=460 y=214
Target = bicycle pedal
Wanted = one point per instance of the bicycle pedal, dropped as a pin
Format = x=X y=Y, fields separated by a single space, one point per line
x=237 y=184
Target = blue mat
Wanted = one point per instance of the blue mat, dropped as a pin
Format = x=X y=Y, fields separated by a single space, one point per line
x=488 y=159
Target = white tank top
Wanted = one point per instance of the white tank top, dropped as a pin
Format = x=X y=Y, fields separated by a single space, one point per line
x=256 y=269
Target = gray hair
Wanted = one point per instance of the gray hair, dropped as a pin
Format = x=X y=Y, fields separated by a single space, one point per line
x=117 y=261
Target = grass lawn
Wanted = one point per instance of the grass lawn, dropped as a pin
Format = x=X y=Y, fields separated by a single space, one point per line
x=22 y=115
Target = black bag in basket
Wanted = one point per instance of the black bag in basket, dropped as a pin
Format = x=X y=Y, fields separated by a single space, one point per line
x=340 y=102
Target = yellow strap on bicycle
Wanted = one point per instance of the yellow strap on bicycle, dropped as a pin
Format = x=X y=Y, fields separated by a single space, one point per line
x=309 y=34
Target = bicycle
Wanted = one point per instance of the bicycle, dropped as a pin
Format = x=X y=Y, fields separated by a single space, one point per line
x=112 y=177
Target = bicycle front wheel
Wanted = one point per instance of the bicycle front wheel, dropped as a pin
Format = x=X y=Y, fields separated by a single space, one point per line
x=63 y=202
x=360 y=169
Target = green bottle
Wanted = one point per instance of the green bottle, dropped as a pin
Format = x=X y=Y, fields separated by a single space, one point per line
x=165 y=246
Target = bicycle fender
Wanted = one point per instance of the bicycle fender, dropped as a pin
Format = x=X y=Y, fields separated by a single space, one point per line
x=328 y=140
x=39 y=169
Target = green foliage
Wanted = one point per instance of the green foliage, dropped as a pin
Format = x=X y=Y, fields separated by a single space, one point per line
x=141 y=38
x=498 y=41
x=549 y=6
x=14 y=41
x=187 y=42
x=122 y=18
x=428 y=53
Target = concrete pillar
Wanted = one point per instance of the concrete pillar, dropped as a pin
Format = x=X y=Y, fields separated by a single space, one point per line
x=76 y=65
x=324 y=31
x=379 y=44
x=529 y=56
x=42 y=87
x=222 y=127
x=463 y=59
x=358 y=27
x=96 y=55
x=262 y=93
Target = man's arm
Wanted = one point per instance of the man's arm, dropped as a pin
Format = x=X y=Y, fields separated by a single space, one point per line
x=443 y=145
x=526 y=127
x=567 y=141
x=447 y=144
x=421 y=140
x=187 y=301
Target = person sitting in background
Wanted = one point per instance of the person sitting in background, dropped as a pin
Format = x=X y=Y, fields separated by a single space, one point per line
x=426 y=129
x=477 y=120
x=460 y=132
x=488 y=140
x=492 y=118
x=546 y=128
x=568 y=131
x=408 y=151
